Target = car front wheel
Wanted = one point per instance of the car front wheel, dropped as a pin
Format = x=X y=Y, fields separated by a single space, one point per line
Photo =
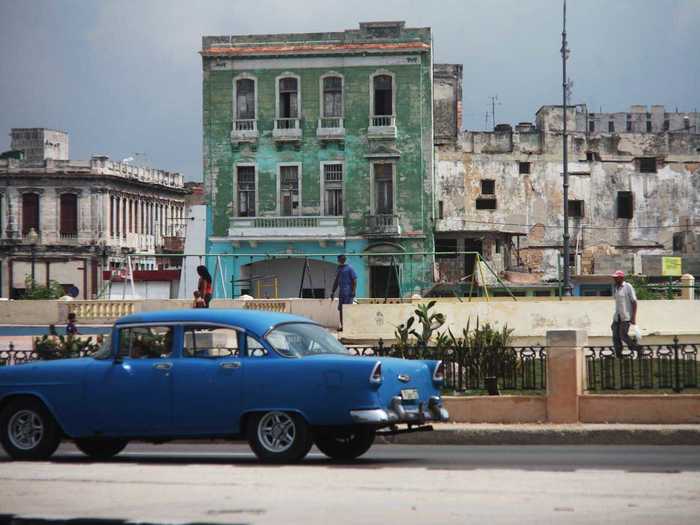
x=345 y=445
x=279 y=437
x=28 y=431
x=101 y=448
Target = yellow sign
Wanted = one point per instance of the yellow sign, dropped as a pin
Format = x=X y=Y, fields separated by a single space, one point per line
x=671 y=266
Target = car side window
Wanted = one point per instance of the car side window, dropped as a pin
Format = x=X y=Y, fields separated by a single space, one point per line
x=146 y=342
x=255 y=349
x=210 y=342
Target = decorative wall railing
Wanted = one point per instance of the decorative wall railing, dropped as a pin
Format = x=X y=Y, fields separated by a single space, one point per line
x=672 y=366
x=522 y=368
x=107 y=310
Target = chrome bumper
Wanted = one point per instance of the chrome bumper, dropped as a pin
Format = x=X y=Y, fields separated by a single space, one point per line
x=397 y=413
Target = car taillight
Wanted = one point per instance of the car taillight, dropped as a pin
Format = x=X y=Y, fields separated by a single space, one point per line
x=376 y=375
x=439 y=373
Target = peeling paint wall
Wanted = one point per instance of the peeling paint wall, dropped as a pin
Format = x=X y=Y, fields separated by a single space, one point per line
x=355 y=55
x=529 y=197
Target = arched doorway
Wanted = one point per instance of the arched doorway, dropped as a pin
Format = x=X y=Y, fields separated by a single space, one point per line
x=385 y=266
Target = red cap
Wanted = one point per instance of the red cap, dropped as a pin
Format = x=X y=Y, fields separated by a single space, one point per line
x=619 y=273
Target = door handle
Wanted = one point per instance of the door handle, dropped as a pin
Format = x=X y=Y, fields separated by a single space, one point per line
x=163 y=366
x=229 y=365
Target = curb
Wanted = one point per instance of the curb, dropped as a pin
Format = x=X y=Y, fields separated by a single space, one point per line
x=552 y=436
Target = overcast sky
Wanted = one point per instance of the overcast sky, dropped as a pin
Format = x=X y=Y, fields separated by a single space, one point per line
x=124 y=77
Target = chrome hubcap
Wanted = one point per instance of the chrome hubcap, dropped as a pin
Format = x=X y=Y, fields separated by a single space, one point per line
x=25 y=429
x=276 y=431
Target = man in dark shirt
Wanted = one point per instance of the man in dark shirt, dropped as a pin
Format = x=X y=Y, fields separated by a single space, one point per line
x=71 y=327
x=346 y=284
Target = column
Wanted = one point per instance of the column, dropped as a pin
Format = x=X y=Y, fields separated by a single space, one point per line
x=687 y=287
x=116 y=217
x=565 y=374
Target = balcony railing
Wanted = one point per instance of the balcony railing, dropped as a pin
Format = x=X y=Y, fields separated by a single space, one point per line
x=382 y=224
x=382 y=126
x=244 y=130
x=287 y=227
x=330 y=128
x=70 y=237
x=287 y=129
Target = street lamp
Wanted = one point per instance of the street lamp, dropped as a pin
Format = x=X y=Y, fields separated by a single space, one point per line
x=33 y=238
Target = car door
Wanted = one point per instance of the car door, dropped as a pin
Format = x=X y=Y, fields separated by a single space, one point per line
x=207 y=380
x=131 y=394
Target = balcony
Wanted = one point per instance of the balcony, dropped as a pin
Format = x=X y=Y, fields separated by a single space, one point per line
x=331 y=128
x=244 y=130
x=71 y=238
x=173 y=244
x=382 y=225
x=382 y=127
x=287 y=129
x=300 y=227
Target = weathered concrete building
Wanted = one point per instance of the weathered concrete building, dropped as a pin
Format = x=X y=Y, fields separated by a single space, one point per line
x=70 y=220
x=634 y=190
x=320 y=144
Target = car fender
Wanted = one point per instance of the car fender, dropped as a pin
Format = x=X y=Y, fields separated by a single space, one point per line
x=27 y=393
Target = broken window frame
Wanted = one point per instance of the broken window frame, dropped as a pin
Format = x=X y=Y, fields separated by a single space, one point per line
x=332 y=96
x=288 y=97
x=332 y=174
x=245 y=101
x=611 y=126
x=383 y=188
x=446 y=244
x=625 y=205
x=488 y=186
x=485 y=204
x=647 y=164
x=524 y=167
x=245 y=190
x=591 y=126
x=577 y=209
x=383 y=96
x=289 y=180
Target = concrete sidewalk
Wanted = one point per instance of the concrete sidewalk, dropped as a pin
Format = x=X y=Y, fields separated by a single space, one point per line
x=549 y=434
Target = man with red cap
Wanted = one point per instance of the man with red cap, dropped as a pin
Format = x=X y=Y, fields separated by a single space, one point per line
x=625 y=314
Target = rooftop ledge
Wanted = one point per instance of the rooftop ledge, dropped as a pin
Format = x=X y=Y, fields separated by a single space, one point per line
x=300 y=49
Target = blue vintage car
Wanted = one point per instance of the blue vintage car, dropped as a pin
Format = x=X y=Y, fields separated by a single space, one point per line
x=280 y=381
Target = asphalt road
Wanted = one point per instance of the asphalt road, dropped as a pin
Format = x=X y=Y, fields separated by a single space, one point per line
x=223 y=483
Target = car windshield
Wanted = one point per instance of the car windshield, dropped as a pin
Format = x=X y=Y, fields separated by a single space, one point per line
x=303 y=339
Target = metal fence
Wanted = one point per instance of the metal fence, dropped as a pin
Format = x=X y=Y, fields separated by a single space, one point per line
x=524 y=368
x=671 y=366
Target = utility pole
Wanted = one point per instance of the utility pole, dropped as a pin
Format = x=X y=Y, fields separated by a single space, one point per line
x=494 y=99
x=565 y=86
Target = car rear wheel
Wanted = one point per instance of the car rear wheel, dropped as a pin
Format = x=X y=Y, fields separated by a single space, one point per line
x=345 y=444
x=279 y=437
x=101 y=448
x=28 y=431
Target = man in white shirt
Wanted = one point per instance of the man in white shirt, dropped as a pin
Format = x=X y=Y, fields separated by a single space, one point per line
x=625 y=314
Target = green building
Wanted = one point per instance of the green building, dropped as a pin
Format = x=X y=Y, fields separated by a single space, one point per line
x=317 y=144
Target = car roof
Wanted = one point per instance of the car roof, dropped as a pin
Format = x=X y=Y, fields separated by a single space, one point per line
x=255 y=321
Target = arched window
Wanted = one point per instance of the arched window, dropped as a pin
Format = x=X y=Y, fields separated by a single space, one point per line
x=69 y=214
x=30 y=212
x=383 y=95
x=245 y=99
x=288 y=98
x=332 y=97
